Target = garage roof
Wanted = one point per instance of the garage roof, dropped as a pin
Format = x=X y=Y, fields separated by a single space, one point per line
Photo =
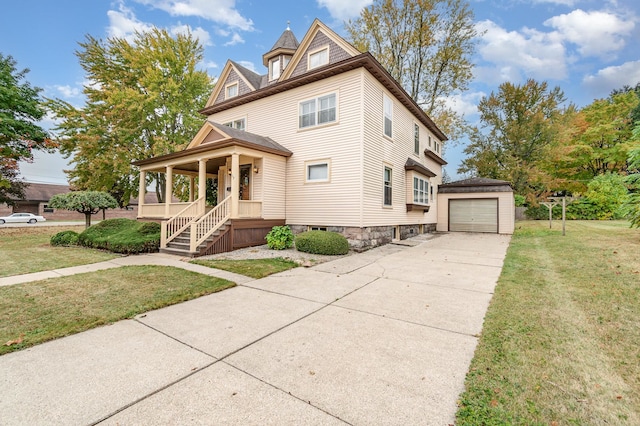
x=476 y=184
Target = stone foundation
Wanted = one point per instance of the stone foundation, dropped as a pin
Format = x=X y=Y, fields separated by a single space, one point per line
x=362 y=239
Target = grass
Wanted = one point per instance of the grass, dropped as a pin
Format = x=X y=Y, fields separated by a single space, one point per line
x=26 y=250
x=254 y=268
x=57 y=307
x=561 y=339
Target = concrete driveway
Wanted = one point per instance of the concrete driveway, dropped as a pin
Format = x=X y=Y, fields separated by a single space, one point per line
x=383 y=337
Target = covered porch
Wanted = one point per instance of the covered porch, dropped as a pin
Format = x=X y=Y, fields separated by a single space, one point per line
x=241 y=163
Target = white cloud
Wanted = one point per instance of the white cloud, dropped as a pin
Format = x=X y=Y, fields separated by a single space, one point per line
x=235 y=39
x=596 y=33
x=209 y=64
x=344 y=9
x=513 y=55
x=465 y=103
x=614 y=77
x=68 y=91
x=123 y=23
x=248 y=65
x=219 y=11
x=202 y=35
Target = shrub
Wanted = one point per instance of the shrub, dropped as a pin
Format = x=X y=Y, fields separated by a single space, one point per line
x=519 y=200
x=322 y=242
x=65 y=238
x=122 y=236
x=279 y=238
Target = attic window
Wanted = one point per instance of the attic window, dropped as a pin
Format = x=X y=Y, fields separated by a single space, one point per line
x=274 y=69
x=231 y=90
x=319 y=58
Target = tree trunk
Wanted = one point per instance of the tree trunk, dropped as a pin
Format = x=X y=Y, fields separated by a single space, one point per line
x=87 y=220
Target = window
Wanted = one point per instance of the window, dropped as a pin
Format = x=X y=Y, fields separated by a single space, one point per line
x=388 y=116
x=437 y=146
x=429 y=141
x=317 y=228
x=231 y=90
x=317 y=111
x=431 y=189
x=319 y=58
x=420 y=191
x=275 y=69
x=236 y=124
x=416 y=138
x=387 y=186
x=317 y=172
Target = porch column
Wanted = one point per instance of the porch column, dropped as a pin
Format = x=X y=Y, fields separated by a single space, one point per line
x=235 y=184
x=202 y=178
x=141 y=191
x=168 y=192
x=192 y=187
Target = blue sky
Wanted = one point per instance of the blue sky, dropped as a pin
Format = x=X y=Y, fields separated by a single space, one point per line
x=587 y=47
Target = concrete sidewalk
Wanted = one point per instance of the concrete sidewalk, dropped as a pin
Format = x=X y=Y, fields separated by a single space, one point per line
x=383 y=337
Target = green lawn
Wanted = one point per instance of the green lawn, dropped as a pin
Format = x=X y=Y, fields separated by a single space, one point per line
x=44 y=310
x=561 y=339
x=26 y=250
x=255 y=268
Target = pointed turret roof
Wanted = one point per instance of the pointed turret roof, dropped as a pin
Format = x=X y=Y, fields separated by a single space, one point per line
x=287 y=44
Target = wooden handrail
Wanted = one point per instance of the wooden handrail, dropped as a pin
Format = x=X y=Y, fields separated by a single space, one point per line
x=202 y=228
x=182 y=220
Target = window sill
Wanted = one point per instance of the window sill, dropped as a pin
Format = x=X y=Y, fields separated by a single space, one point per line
x=418 y=207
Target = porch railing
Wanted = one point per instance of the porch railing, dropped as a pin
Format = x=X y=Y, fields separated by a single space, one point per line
x=249 y=209
x=158 y=210
x=173 y=227
x=209 y=223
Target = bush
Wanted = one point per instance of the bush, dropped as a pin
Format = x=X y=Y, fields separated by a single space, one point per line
x=279 y=238
x=542 y=212
x=122 y=236
x=65 y=238
x=322 y=242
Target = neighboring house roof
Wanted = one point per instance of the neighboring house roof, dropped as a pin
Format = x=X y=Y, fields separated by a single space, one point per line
x=412 y=164
x=476 y=184
x=42 y=192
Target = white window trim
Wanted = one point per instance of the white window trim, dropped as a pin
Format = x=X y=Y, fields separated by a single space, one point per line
x=307 y=164
x=384 y=115
x=384 y=185
x=271 y=61
x=317 y=111
x=231 y=123
x=313 y=52
x=416 y=149
x=425 y=191
x=228 y=86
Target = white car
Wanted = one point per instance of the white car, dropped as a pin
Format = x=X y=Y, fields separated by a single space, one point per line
x=21 y=217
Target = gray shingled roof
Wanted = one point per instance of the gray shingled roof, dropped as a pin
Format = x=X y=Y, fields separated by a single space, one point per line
x=476 y=184
x=412 y=164
x=286 y=41
x=254 y=78
x=251 y=138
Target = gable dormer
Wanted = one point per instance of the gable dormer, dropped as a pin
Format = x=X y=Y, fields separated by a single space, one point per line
x=235 y=80
x=277 y=59
x=320 y=46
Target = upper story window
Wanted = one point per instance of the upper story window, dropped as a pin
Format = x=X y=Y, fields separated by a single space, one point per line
x=429 y=141
x=236 y=124
x=416 y=138
x=437 y=146
x=319 y=58
x=274 y=69
x=388 y=116
x=231 y=90
x=317 y=111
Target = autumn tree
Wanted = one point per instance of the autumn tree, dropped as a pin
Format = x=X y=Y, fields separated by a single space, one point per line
x=518 y=123
x=631 y=208
x=426 y=45
x=596 y=140
x=20 y=110
x=85 y=202
x=141 y=101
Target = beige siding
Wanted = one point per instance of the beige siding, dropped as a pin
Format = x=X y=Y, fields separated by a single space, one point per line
x=380 y=150
x=272 y=172
x=332 y=203
x=506 y=209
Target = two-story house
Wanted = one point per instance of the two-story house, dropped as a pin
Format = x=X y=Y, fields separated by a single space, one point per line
x=325 y=139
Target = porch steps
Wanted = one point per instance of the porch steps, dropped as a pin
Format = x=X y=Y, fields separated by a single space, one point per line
x=180 y=244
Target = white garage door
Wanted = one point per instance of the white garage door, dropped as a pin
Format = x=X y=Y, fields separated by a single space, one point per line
x=473 y=215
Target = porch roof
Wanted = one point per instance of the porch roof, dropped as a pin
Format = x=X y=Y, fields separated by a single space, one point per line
x=235 y=138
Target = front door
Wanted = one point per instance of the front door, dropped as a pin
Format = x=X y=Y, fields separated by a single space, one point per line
x=245 y=182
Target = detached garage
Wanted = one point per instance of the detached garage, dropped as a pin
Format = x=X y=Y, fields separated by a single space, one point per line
x=476 y=205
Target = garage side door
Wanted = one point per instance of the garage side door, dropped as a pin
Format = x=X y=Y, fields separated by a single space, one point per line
x=473 y=215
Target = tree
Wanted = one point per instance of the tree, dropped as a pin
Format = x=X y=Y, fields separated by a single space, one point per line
x=519 y=122
x=85 y=202
x=631 y=208
x=142 y=102
x=20 y=109
x=426 y=45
